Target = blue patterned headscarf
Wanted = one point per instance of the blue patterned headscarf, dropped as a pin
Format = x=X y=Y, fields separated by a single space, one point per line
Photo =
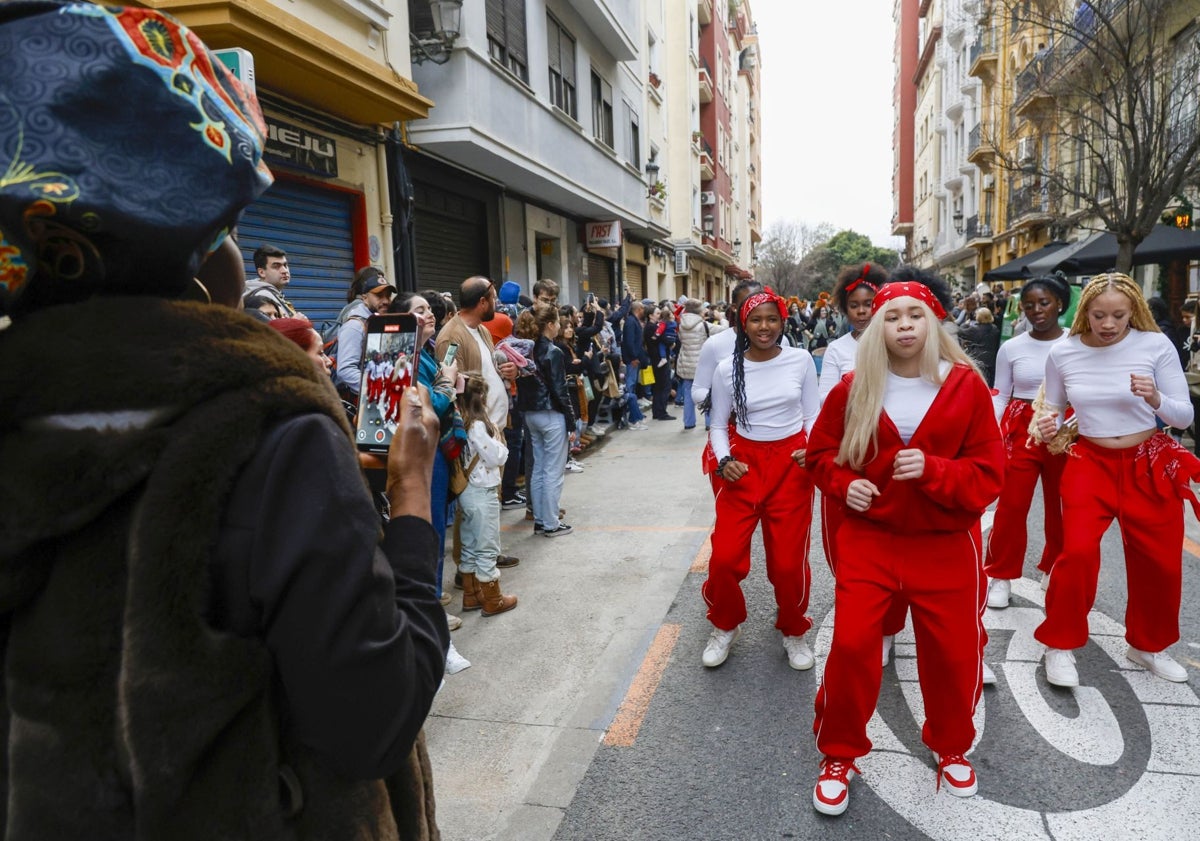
x=127 y=152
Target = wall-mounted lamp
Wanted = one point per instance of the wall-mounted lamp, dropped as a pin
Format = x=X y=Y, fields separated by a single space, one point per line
x=958 y=221
x=652 y=170
x=924 y=243
x=737 y=248
x=436 y=45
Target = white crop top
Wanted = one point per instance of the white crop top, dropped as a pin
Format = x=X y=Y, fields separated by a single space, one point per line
x=1095 y=381
x=838 y=361
x=1020 y=369
x=781 y=399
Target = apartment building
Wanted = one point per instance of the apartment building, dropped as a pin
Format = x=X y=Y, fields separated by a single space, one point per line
x=332 y=78
x=905 y=15
x=928 y=128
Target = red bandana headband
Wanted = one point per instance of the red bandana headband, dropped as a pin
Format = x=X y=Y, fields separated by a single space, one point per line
x=862 y=281
x=908 y=289
x=760 y=298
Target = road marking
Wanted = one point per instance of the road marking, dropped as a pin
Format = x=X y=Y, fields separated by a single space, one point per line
x=1191 y=547
x=700 y=562
x=526 y=525
x=623 y=731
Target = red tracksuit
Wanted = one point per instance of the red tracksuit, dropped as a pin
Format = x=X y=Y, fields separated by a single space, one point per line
x=1142 y=487
x=833 y=514
x=1026 y=463
x=919 y=539
x=778 y=493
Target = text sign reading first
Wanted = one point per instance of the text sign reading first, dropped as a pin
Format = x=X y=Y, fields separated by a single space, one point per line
x=604 y=234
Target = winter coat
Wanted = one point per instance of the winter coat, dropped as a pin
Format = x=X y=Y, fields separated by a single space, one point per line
x=693 y=333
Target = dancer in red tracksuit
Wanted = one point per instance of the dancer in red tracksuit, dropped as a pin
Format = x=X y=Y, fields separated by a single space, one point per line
x=1119 y=373
x=400 y=379
x=771 y=393
x=910 y=442
x=1020 y=370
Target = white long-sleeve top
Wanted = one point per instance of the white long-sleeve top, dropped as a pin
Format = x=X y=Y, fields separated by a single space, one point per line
x=718 y=347
x=492 y=454
x=838 y=361
x=1096 y=383
x=781 y=398
x=1020 y=369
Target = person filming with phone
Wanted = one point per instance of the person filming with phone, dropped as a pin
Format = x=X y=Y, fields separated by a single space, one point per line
x=206 y=634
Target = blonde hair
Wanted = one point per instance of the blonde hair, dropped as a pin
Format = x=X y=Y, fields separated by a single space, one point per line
x=864 y=407
x=1140 y=318
x=984 y=316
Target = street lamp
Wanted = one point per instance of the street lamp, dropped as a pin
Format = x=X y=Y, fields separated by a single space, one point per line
x=437 y=44
x=737 y=248
x=958 y=221
x=924 y=243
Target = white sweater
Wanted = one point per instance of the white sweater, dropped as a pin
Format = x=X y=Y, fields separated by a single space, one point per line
x=781 y=398
x=492 y=454
x=838 y=361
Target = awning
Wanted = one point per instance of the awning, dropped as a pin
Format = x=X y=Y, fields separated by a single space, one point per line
x=1018 y=269
x=1165 y=243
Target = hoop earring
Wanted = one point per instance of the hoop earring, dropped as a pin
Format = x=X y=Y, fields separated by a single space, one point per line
x=203 y=288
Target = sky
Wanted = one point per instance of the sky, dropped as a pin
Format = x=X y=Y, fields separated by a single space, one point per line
x=827 y=113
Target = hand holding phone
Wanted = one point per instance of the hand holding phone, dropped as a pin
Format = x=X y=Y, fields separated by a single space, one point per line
x=451 y=352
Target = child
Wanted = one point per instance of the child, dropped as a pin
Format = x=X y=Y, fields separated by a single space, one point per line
x=910 y=444
x=479 y=503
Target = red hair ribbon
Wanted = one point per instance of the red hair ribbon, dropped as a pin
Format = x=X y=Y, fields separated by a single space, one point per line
x=908 y=289
x=862 y=281
x=766 y=296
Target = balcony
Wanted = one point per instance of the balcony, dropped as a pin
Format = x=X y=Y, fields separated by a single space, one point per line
x=980 y=150
x=977 y=233
x=707 y=170
x=1028 y=205
x=1031 y=96
x=706 y=85
x=984 y=56
x=704 y=12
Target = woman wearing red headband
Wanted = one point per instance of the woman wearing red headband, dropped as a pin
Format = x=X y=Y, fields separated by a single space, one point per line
x=910 y=442
x=770 y=392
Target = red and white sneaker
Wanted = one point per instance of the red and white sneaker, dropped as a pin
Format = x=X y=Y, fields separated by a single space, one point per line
x=958 y=773
x=831 y=795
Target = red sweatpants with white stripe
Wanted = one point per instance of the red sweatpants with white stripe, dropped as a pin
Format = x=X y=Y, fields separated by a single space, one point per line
x=1098 y=485
x=1026 y=464
x=777 y=493
x=833 y=515
x=941 y=576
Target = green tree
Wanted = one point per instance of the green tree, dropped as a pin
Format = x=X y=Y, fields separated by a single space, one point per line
x=819 y=269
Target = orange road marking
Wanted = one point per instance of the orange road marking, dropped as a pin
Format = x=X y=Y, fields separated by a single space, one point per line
x=624 y=729
x=700 y=562
x=1192 y=547
x=527 y=525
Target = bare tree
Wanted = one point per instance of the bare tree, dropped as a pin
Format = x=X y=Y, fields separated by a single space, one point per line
x=783 y=248
x=1106 y=110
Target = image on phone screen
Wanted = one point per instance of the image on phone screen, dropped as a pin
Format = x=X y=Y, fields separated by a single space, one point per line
x=389 y=369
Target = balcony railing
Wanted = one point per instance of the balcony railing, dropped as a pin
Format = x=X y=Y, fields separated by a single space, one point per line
x=1027 y=200
x=982 y=53
x=971 y=229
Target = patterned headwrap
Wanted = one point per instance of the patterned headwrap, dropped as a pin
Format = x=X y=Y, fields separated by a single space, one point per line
x=862 y=281
x=759 y=298
x=127 y=152
x=908 y=289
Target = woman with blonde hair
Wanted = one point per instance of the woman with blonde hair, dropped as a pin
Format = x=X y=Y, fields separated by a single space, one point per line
x=1121 y=467
x=909 y=443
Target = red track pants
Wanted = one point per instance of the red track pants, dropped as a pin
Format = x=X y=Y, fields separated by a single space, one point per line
x=1006 y=544
x=778 y=493
x=941 y=575
x=1100 y=484
x=833 y=515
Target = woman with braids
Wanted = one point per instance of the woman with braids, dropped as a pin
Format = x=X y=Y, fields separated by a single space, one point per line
x=771 y=394
x=1020 y=371
x=909 y=441
x=1119 y=373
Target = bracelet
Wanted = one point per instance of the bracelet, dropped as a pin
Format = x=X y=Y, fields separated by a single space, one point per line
x=721 y=464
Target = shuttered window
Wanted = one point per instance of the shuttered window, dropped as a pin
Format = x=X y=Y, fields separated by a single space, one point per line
x=560 y=47
x=602 y=110
x=506 y=36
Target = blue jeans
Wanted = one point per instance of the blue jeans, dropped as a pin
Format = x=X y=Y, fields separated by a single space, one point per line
x=631 y=400
x=438 y=508
x=480 y=531
x=689 y=408
x=548 y=435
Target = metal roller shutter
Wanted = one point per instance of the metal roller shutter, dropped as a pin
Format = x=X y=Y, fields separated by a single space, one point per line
x=600 y=276
x=635 y=276
x=314 y=227
x=451 y=237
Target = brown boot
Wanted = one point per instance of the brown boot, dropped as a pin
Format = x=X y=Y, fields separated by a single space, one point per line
x=472 y=597
x=493 y=600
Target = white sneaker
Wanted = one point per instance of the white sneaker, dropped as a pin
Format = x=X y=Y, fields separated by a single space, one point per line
x=640 y=425
x=800 y=656
x=1060 y=668
x=717 y=649
x=573 y=466
x=455 y=662
x=1158 y=663
x=644 y=403
x=889 y=640
x=958 y=775
x=999 y=593
x=453 y=622
x=599 y=429
x=831 y=794
x=989 y=677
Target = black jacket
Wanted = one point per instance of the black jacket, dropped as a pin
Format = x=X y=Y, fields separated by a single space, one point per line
x=548 y=390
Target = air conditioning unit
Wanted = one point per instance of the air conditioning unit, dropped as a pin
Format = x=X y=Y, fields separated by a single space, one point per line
x=1026 y=150
x=708 y=197
x=681 y=261
x=989 y=182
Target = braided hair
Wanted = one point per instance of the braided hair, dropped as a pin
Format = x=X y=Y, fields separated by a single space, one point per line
x=740 y=412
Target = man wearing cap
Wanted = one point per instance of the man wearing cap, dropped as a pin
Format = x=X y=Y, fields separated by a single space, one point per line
x=374 y=298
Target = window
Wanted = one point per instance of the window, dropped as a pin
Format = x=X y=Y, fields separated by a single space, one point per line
x=634 y=138
x=506 y=36
x=561 y=52
x=602 y=110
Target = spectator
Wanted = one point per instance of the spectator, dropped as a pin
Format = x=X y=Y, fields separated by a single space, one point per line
x=263 y=305
x=546 y=290
x=274 y=274
x=981 y=340
x=373 y=297
x=633 y=352
x=693 y=333
x=661 y=344
x=221 y=641
x=301 y=332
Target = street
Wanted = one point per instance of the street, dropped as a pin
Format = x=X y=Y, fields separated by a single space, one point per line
x=586 y=714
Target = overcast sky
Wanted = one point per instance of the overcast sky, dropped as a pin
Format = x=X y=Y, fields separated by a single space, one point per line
x=827 y=113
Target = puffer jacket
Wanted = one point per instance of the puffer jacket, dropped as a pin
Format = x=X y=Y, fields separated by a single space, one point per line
x=693 y=333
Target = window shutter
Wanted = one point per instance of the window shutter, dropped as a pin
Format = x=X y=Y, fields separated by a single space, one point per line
x=514 y=18
x=495 y=20
x=553 y=44
x=567 y=50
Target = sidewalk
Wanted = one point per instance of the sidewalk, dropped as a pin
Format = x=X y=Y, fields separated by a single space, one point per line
x=511 y=737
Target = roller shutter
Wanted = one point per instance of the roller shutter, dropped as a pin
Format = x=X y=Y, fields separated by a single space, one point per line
x=600 y=276
x=635 y=276
x=451 y=237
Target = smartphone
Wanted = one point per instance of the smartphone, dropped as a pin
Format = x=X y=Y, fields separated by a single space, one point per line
x=390 y=365
x=591 y=298
x=451 y=352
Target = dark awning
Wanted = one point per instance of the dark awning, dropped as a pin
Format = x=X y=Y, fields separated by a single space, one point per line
x=1018 y=269
x=1165 y=243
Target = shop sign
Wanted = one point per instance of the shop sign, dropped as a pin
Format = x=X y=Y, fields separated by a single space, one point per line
x=301 y=149
x=604 y=234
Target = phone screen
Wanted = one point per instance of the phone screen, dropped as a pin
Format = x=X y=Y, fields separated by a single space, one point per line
x=390 y=359
x=451 y=352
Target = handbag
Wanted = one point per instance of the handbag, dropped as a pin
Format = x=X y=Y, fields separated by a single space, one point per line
x=612 y=388
x=460 y=477
x=646 y=376
x=588 y=391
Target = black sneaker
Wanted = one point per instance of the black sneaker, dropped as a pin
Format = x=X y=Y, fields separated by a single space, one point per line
x=506 y=561
x=562 y=529
x=538 y=528
x=510 y=503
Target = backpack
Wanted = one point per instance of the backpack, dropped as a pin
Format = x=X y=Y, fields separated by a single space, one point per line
x=329 y=337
